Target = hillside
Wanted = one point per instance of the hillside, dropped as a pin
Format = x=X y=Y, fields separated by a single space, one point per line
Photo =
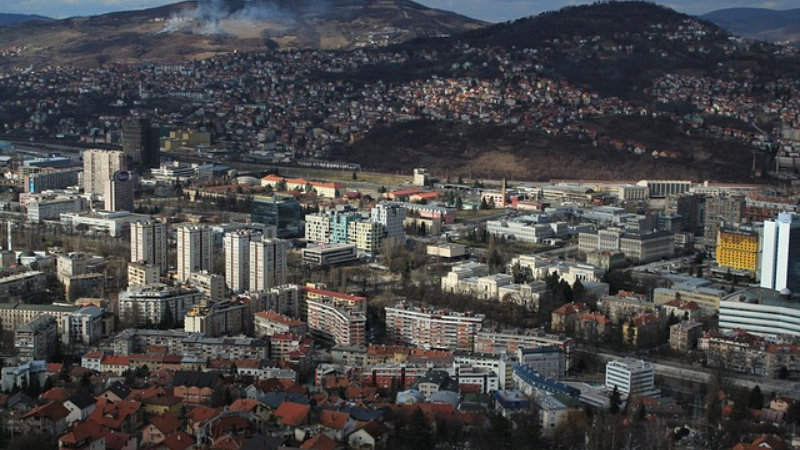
x=7 y=19
x=193 y=30
x=760 y=23
x=485 y=151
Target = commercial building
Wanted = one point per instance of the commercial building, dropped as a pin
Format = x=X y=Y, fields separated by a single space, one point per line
x=330 y=255
x=141 y=143
x=631 y=377
x=195 y=249
x=52 y=208
x=780 y=266
x=665 y=188
x=738 y=249
x=116 y=224
x=237 y=258
x=50 y=179
x=211 y=285
x=37 y=339
x=118 y=194
x=99 y=166
x=549 y=361
x=149 y=243
x=640 y=247
x=285 y=214
x=141 y=274
x=429 y=328
x=267 y=263
x=722 y=209
x=760 y=311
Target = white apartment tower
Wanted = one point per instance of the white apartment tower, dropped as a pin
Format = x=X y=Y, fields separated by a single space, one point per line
x=237 y=258
x=149 y=243
x=267 y=263
x=780 y=258
x=195 y=250
x=99 y=166
x=391 y=216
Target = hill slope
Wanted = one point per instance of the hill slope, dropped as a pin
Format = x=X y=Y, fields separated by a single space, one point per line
x=7 y=19
x=759 y=23
x=197 y=29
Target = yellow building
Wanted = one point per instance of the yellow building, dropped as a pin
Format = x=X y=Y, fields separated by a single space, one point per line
x=738 y=249
x=186 y=139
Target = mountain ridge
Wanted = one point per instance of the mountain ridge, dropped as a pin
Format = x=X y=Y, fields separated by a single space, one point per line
x=778 y=26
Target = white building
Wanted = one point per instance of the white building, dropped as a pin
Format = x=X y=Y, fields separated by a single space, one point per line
x=141 y=305
x=84 y=326
x=140 y=274
x=760 y=311
x=632 y=377
x=149 y=243
x=114 y=223
x=237 y=258
x=780 y=260
x=430 y=328
x=331 y=254
x=100 y=166
x=52 y=208
x=391 y=216
x=195 y=249
x=267 y=263
x=211 y=285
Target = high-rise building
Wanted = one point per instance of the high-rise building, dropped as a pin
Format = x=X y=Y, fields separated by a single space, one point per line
x=780 y=260
x=149 y=243
x=737 y=249
x=285 y=214
x=119 y=192
x=728 y=209
x=267 y=263
x=237 y=258
x=99 y=166
x=141 y=143
x=195 y=250
x=391 y=216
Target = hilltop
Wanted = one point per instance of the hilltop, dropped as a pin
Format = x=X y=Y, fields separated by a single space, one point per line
x=194 y=30
x=760 y=23
x=7 y=19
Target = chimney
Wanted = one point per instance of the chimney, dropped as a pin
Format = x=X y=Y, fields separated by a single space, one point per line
x=10 y=239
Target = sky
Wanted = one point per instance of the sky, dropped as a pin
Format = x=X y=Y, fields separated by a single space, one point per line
x=488 y=10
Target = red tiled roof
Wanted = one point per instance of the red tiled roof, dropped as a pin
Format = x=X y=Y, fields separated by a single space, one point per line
x=292 y=414
x=54 y=411
x=333 y=294
x=277 y=317
x=166 y=423
x=84 y=431
x=117 y=441
x=178 y=441
x=113 y=414
x=201 y=413
x=57 y=394
x=244 y=405
x=320 y=442
x=333 y=419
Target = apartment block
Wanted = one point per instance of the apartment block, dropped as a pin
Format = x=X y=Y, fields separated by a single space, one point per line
x=431 y=328
x=149 y=243
x=195 y=250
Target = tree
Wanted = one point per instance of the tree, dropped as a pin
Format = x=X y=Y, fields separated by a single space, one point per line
x=631 y=337
x=418 y=434
x=167 y=321
x=615 y=401
x=578 y=291
x=355 y=175
x=756 y=398
x=521 y=274
x=459 y=203
x=484 y=205
x=783 y=373
x=281 y=185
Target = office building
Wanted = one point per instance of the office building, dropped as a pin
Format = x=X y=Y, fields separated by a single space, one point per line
x=118 y=192
x=330 y=255
x=149 y=243
x=195 y=249
x=632 y=377
x=391 y=216
x=737 y=249
x=780 y=262
x=237 y=258
x=115 y=224
x=52 y=208
x=51 y=179
x=285 y=214
x=267 y=263
x=722 y=209
x=761 y=311
x=141 y=143
x=430 y=328
x=100 y=166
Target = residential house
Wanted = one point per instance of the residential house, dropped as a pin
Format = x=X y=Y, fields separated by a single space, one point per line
x=645 y=331
x=564 y=318
x=50 y=418
x=157 y=428
x=84 y=436
x=195 y=387
x=80 y=406
x=292 y=414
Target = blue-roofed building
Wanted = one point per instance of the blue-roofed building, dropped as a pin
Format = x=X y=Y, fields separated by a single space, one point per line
x=530 y=382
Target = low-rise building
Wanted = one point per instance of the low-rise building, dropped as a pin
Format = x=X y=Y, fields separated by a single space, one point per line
x=330 y=255
x=632 y=377
x=140 y=305
x=268 y=323
x=141 y=274
x=683 y=336
x=211 y=285
x=226 y=317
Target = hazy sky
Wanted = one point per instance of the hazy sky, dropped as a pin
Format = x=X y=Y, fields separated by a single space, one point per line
x=490 y=10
